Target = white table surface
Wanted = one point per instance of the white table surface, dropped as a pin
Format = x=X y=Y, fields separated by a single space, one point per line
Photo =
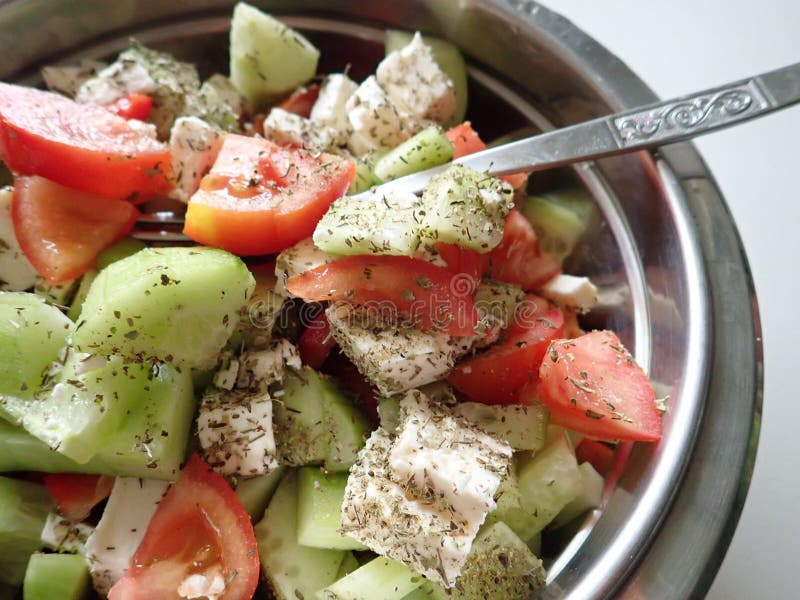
x=676 y=47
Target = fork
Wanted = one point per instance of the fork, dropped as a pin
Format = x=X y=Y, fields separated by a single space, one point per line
x=643 y=128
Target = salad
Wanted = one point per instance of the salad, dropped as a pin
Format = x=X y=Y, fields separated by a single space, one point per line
x=335 y=392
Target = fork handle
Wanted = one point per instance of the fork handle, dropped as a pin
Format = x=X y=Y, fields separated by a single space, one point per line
x=641 y=128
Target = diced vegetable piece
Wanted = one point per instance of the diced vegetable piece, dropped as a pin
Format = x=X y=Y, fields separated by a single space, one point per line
x=598 y=454
x=16 y=272
x=389 y=412
x=33 y=335
x=349 y=564
x=319 y=510
x=76 y=494
x=496 y=303
x=365 y=173
x=590 y=496
x=56 y=577
x=379 y=579
x=449 y=59
x=428 y=148
x=302 y=101
x=292 y=571
x=465 y=208
x=133 y=106
x=297 y=259
x=256 y=492
x=122 y=249
x=175 y=304
x=20 y=451
x=466 y=141
x=348 y=430
x=523 y=427
x=560 y=219
x=76 y=305
x=316 y=342
x=24 y=507
x=268 y=59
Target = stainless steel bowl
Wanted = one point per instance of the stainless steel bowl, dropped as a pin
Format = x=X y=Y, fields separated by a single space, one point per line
x=665 y=249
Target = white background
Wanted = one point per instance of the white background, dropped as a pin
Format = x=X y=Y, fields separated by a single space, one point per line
x=676 y=47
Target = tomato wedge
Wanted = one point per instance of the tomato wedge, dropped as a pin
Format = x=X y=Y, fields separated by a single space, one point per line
x=428 y=295
x=261 y=198
x=497 y=375
x=61 y=231
x=466 y=140
x=597 y=454
x=76 y=494
x=592 y=385
x=81 y=146
x=463 y=261
x=132 y=106
x=518 y=258
x=199 y=528
x=316 y=342
x=301 y=101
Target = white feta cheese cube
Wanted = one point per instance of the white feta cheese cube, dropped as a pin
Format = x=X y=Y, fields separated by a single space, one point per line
x=118 y=79
x=284 y=127
x=110 y=548
x=416 y=84
x=226 y=375
x=62 y=535
x=375 y=121
x=16 y=272
x=394 y=358
x=193 y=145
x=235 y=432
x=260 y=368
x=569 y=291
x=330 y=107
x=226 y=92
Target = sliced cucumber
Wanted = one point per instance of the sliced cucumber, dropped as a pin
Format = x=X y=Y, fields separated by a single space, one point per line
x=348 y=429
x=449 y=59
x=76 y=306
x=429 y=591
x=291 y=570
x=560 y=219
x=56 y=577
x=523 y=427
x=255 y=493
x=122 y=249
x=365 y=173
x=349 y=564
x=389 y=412
x=380 y=579
x=319 y=510
x=428 y=148
x=590 y=496
x=20 y=451
x=24 y=507
x=174 y=304
x=268 y=59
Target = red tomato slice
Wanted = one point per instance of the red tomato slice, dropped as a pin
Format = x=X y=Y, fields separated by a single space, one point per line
x=301 y=101
x=466 y=140
x=597 y=454
x=260 y=198
x=81 y=146
x=200 y=527
x=61 y=231
x=132 y=106
x=428 y=294
x=75 y=494
x=497 y=375
x=463 y=261
x=592 y=385
x=518 y=258
x=316 y=342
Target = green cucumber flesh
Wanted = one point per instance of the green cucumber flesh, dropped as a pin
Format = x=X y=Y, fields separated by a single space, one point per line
x=560 y=219
x=365 y=173
x=268 y=59
x=291 y=570
x=380 y=579
x=426 y=149
x=24 y=507
x=590 y=496
x=389 y=412
x=76 y=306
x=522 y=427
x=449 y=59
x=175 y=304
x=347 y=427
x=255 y=493
x=56 y=577
x=299 y=418
x=319 y=510
x=349 y=564
x=122 y=249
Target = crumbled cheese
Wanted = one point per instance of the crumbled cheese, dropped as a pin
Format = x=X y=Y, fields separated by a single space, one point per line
x=284 y=127
x=235 y=432
x=225 y=377
x=110 y=548
x=209 y=586
x=122 y=77
x=416 y=84
x=16 y=272
x=62 y=535
x=193 y=145
x=260 y=368
x=375 y=122
x=297 y=259
x=329 y=109
x=393 y=357
x=569 y=291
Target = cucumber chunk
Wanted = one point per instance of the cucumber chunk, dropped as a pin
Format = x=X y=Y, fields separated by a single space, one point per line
x=522 y=427
x=20 y=451
x=56 y=577
x=365 y=173
x=380 y=579
x=33 y=335
x=560 y=219
x=122 y=249
x=590 y=496
x=292 y=571
x=428 y=148
x=24 y=507
x=76 y=306
x=255 y=493
x=319 y=510
x=449 y=59
x=174 y=304
x=349 y=564
x=268 y=59
x=348 y=429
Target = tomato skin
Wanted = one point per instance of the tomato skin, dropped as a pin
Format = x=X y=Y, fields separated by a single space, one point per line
x=132 y=106
x=81 y=146
x=199 y=509
x=316 y=342
x=597 y=454
x=592 y=385
x=518 y=259
x=61 y=231
x=260 y=198
x=76 y=494
x=413 y=288
x=463 y=261
x=301 y=101
x=497 y=375
x=466 y=141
